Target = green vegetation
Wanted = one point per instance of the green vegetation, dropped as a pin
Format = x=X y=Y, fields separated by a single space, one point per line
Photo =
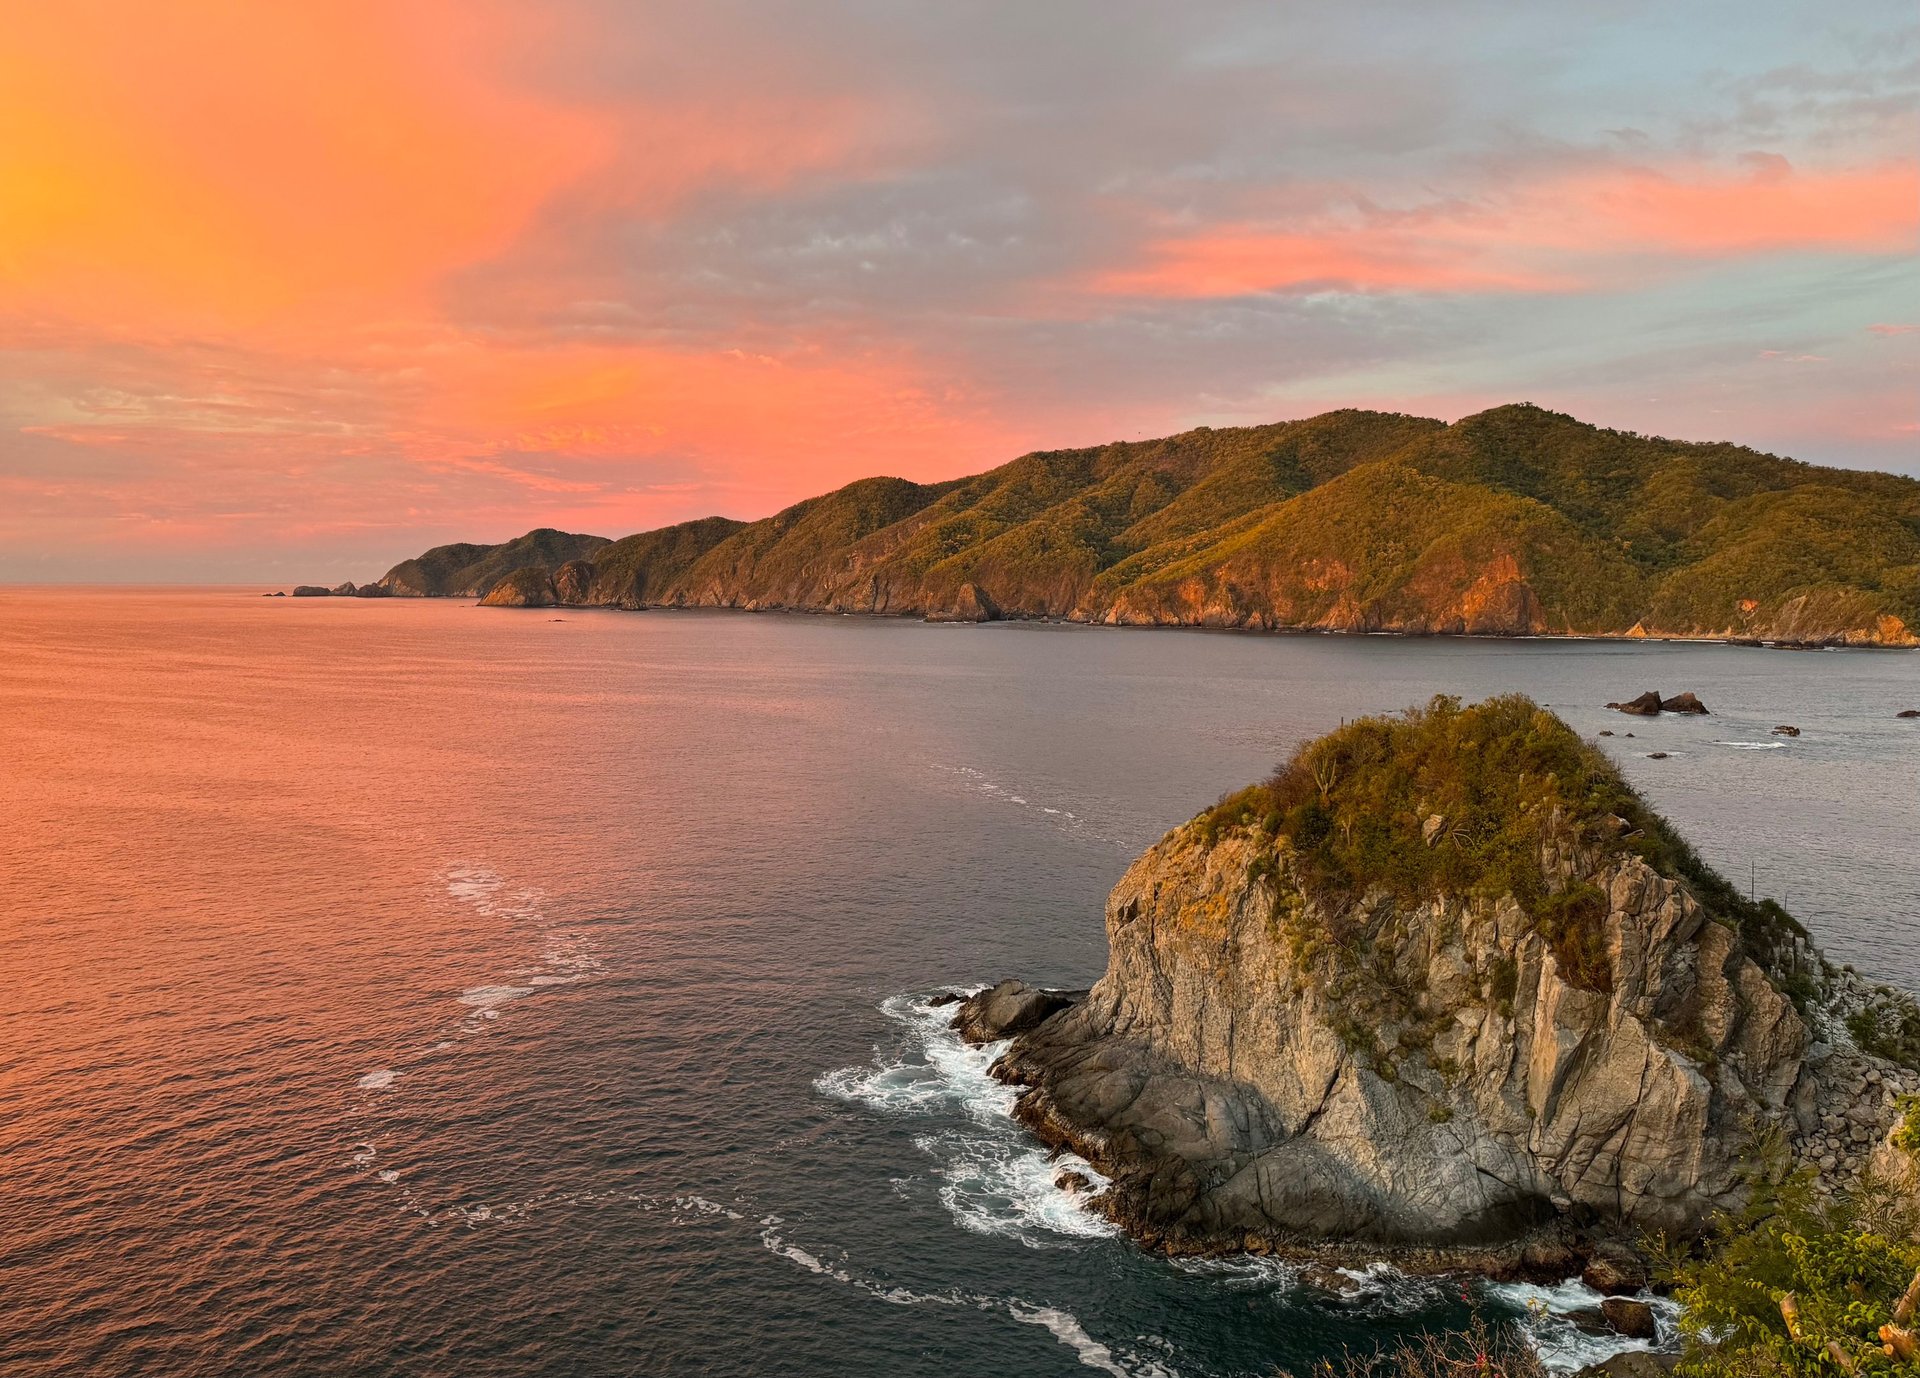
x=1458 y=800
x=1888 y=1025
x=1797 y=1287
x=627 y=570
x=1516 y=520
x=1482 y=1349
x=471 y=571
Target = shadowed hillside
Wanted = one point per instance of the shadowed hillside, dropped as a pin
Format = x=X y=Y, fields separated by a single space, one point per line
x=1516 y=521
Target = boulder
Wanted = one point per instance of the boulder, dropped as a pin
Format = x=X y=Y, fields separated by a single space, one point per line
x=1908 y=713
x=1613 y=1270
x=1012 y=1007
x=1634 y=1363
x=1656 y=755
x=1786 y=730
x=1646 y=706
x=1683 y=703
x=1633 y=1319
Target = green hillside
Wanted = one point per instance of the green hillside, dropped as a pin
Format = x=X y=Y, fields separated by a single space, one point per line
x=1515 y=521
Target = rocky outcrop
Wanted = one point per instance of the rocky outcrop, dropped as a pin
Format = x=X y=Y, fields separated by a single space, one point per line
x=1010 y=1008
x=1268 y=1066
x=970 y=604
x=311 y=591
x=573 y=582
x=530 y=587
x=1645 y=706
x=1651 y=705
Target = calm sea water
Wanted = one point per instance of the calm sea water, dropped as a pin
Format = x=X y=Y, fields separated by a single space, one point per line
x=410 y=988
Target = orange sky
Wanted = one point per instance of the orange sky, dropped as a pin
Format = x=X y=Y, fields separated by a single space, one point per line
x=318 y=283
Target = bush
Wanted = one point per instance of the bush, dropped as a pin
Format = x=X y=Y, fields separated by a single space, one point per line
x=1796 y=1287
x=1503 y=778
x=1478 y=1351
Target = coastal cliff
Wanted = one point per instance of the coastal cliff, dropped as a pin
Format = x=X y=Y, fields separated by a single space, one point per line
x=1514 y=522
x=1444 y=988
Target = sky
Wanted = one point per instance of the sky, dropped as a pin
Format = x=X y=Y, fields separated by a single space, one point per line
x=293 y=291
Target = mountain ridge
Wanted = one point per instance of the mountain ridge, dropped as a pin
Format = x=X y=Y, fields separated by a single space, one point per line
x=1514 y=521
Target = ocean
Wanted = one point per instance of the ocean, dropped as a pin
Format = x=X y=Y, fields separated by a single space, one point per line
x=403 y=987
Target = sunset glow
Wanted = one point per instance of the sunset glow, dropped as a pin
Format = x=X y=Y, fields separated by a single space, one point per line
x=308 y=286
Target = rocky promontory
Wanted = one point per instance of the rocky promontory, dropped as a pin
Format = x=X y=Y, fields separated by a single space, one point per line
x=1442 y=989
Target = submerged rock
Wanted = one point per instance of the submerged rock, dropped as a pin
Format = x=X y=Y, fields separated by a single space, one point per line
x=1283 y=1055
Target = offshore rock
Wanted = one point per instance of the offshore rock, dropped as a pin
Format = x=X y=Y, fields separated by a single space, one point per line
x=1683 y=703
x=311 y=591
x=1646 y=706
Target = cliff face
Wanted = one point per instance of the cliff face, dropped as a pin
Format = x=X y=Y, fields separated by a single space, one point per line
x=1245 y=1090
x=1282 y=1054
x=1516 y=521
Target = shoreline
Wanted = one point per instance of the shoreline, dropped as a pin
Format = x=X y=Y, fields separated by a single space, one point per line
x=1611 y=638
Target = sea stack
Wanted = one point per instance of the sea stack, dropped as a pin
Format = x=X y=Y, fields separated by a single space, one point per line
x=1443 y=989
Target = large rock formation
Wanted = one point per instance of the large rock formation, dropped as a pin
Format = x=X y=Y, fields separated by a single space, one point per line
x=1539 y=1023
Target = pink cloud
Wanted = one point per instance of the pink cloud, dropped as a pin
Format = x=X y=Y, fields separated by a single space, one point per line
x=1555 y=234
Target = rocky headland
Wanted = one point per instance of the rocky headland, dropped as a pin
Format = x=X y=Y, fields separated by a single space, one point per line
x=1514 y=522
x=1444 y=990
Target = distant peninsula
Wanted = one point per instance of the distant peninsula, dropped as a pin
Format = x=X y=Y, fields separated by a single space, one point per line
x=1513 y=522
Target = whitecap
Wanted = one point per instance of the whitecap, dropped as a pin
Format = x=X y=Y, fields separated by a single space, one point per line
x=1753 y=746
x=993 y=1186
x=994 y=1179
x=378 y=1080
x=1067 y=1329
x=487 y=998
x=1562 y=1346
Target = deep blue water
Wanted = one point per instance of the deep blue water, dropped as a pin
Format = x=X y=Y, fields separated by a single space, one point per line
x=408 y=988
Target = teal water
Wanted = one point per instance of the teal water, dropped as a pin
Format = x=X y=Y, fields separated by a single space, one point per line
x=408 y=988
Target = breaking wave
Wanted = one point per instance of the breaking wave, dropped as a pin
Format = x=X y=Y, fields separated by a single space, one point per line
x=994 y=1178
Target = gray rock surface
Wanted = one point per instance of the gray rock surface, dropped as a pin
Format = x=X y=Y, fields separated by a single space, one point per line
x=1452 y=1094
x=1010 y=1008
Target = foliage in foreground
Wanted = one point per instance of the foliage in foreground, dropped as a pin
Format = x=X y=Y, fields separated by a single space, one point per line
x=1798 y=1287
x=1481 y=1350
